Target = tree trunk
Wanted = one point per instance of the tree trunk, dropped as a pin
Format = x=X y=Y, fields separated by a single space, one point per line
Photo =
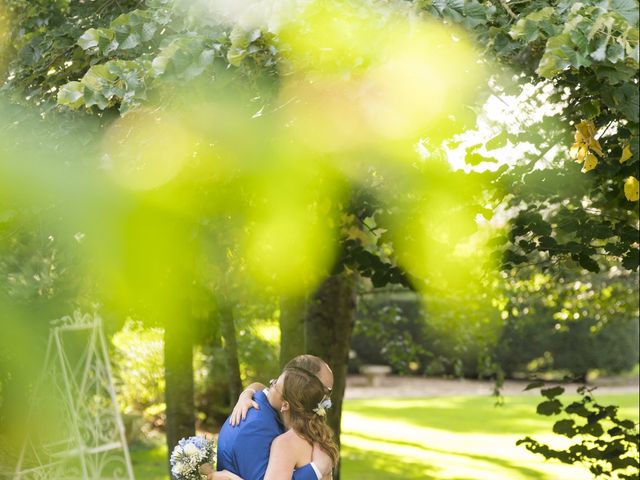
x=292 y=328
x=330 y=320
x=215 y=400
x=230 y=351
x=178 y=368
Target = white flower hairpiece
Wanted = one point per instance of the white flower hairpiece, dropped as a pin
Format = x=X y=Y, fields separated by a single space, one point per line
x=323 y=406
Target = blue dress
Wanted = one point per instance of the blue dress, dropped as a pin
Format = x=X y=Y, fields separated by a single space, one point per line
x=244 y=449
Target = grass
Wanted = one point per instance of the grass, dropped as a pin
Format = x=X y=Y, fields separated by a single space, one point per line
x=446 y=438
x=149 y=459
x=461 y=438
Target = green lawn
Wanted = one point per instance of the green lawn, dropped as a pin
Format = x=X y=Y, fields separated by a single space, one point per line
x=461 y=438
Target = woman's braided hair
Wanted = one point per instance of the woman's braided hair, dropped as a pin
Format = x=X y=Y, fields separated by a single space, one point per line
x=304 y=391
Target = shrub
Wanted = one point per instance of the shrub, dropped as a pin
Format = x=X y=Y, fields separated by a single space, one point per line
x=138 y=368
x=389 y=330
x=578 y=324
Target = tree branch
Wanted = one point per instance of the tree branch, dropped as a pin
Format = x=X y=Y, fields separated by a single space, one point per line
x=508 y=9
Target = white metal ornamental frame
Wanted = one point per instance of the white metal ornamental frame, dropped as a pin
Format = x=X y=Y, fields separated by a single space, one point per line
x=83 y=436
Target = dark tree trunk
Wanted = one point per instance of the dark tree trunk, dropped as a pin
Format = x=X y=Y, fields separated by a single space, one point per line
x=230 y=350
x=178 y=368
x=330 y=320
x=292 y=328
x=215 y=400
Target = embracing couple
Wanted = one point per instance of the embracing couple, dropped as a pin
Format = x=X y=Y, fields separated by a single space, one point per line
x=280 y=432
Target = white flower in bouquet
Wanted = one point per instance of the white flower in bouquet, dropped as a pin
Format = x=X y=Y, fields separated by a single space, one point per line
x=190 y=450
x=189 y=455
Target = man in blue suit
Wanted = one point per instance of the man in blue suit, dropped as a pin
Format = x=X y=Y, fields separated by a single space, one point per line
x=245 y=439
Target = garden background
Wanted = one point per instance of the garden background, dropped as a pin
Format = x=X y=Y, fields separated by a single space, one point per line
x=448 y=188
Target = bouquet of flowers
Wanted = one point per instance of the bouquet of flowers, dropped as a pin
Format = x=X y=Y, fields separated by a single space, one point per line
x=189 y=455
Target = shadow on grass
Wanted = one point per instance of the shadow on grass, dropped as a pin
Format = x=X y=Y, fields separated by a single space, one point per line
x=473 y=414
x=363 y=465
x=458 y=415
x=384 y=465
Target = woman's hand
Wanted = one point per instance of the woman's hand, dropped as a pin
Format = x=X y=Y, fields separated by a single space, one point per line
x=206 y=469
x=244 y=404
x=225 y=475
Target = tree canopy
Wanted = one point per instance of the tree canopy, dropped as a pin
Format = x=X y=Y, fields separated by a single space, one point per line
x=570 y=195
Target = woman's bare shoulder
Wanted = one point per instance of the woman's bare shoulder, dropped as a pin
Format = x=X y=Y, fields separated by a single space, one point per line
x=291 y=441
x=284 y=440
x=290 y=437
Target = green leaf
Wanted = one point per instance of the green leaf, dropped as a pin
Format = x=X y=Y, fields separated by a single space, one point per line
x=615 y=431
x=71 y=95
x=624 y=99
x=239 y=38
x=548 y=243
x=572 y=247
x=525 y=30
x=236 y=55
x=627 y=8
x=89 y=39
x=475 y=158
x=98 y=77
x=615 y=53
x=577 y=408
x=530 y=28
x=628 y=424
x=550 y=407
x=552 y=392
x=107 y=42
x=590 y=108
x=594 y=429
x=555 y=59
x=515 y=258
x=498 y=141
x=600 y=54
x=94 y=97
x=615 y=74
x=588 y=263
x=533 y=385
x=132 y=41
x=565 y=427
x=578 y=31
x=475 y=13
x=631 y=260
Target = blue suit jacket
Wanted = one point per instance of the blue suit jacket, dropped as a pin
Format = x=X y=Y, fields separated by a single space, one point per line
x=244 y=449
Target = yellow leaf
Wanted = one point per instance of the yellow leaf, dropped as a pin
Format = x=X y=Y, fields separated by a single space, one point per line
x=578 y=137
x=595 y=146
x=582 y=153
x=591 y=128
x=590 y=163
x=626 y=154
x=587 y=129
x=583 y=130
x=573 y=151
x=631 y=189
x=354 y=233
